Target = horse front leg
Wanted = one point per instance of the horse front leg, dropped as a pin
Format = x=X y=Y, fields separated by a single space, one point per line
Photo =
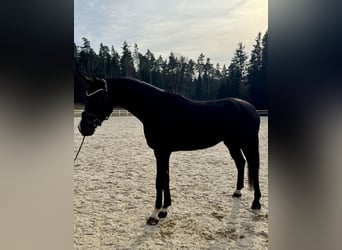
x=167 y=196
x=240 y=161
x=162 y=187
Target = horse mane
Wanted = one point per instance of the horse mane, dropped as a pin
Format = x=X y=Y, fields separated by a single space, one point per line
x=136 y=81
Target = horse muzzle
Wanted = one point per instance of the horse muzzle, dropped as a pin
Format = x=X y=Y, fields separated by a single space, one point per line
x=86 y=127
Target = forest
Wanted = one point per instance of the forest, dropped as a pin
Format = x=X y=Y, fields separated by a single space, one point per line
x=245 y=77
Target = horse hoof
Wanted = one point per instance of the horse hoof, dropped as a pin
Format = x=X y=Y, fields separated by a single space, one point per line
x=236 y=195
x=162 y=214
x=152 y=221
x=256 y=205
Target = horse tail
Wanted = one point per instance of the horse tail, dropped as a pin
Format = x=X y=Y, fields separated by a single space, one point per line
x=250 y=178
x=253 y=162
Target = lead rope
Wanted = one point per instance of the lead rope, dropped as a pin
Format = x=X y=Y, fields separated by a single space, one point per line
x=79 y=148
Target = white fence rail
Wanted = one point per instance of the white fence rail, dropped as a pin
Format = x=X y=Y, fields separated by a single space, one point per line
x=263 y=112
x=116 y=112
x=121 y=112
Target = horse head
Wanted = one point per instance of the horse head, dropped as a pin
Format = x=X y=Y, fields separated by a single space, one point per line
x=97 y=105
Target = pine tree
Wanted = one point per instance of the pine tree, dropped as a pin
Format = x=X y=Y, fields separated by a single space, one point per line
x=159 y=72
x=200 y=70
x=136 y=61
x=264 y=73
x=126 y=62
x=189 y=77
x=254 y=71
x=171 y=74
x=207 y=75
x=237 y=73
x=181 y=67
x=105 y=59
x=88 y=58
x=215 y=82
x=114 y=63
x=151 y=61
x=223 y=88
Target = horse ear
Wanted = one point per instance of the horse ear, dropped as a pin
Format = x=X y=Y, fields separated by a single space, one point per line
x=95 y=78
x=87 y=80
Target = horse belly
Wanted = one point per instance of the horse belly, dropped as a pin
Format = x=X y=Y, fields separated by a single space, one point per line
x=188 y=140
x=187 y=133
x=188 y=146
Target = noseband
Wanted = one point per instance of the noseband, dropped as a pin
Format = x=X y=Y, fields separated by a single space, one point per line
x=93 y=119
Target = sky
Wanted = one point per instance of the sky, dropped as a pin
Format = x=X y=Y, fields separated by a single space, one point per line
x=185 y=27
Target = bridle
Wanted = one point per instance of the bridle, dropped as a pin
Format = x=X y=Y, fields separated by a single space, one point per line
x=96 y=120
x=93 y=119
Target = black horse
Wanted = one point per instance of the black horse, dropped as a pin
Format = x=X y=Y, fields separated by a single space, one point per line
x=174 y=123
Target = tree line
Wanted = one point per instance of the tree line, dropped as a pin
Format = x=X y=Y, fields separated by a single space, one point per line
x=246 y=76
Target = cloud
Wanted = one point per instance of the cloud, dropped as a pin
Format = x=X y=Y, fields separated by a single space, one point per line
x=187 y=27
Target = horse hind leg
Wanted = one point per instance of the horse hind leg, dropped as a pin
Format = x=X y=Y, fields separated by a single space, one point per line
x=240 y=161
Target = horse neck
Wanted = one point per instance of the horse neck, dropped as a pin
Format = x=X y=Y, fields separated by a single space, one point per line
x=137 y=97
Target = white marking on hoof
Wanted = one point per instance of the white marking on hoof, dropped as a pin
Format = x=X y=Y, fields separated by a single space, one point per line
x=237 y=194
x=237 y=191
x=155 y=213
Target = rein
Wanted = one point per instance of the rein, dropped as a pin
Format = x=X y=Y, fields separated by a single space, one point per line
x=79 y=149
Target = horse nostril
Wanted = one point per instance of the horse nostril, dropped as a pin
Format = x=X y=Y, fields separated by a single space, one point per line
x=96 y=123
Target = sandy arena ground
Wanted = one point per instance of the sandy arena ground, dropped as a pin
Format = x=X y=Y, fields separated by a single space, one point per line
x=114 y=182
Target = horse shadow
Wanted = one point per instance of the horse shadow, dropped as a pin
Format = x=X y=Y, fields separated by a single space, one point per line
x=237 y=228
x=147 y=232
x=235 y=211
